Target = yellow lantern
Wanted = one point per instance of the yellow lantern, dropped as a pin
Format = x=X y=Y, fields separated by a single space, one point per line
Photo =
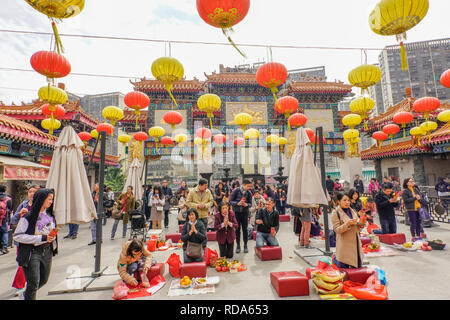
x=395 y=17
x=444 y=116
x=181 y=138
x=351 y=120
x=156 y=132
x=351 y=136
x=417 y=132
x=94 y=134
x=364 y=76
x=57 y=10
x=273 y=139
x=168 y=70
x=112 y=114
x=209 y=103
x=252 y=135
x=50 y=125
x=243 y=119
x=124 y=139
x=427 y=127
x=362 y=106
x=282 y=142
x=53 y=95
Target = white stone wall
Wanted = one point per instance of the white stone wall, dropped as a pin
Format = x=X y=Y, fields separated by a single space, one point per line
x=435 y=168
x=406 y=167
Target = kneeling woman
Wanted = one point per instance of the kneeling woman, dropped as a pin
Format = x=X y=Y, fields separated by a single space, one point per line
x=225 y=225
x=349 y=253
x=193 y=236
x=134 y=260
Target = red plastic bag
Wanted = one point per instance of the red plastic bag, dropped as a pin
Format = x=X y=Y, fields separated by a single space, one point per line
x=210 y=257
x=19 y=280
x=174 y=263
x=372 y=290
x=372 y=226
x=120 y=290
x=151 y=245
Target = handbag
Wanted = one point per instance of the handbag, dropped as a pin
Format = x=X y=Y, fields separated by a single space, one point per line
x=118 y=214
x=194 y=250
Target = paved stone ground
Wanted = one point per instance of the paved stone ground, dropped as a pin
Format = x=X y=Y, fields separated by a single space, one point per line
x=420 y=275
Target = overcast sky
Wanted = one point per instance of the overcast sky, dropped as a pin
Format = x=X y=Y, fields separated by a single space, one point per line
x=283 y=22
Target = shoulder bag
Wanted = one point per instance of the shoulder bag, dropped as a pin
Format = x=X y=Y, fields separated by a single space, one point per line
x=193 y=250
x=118 y=214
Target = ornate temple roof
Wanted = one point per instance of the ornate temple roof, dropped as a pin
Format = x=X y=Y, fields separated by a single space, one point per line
x=441 y=135
x=109 y=159
x=408 y=147
x=183 y=85
x=319 y=87
x=231 y=78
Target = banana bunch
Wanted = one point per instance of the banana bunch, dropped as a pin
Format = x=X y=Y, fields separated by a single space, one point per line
x=327 y=282
x=407 y=245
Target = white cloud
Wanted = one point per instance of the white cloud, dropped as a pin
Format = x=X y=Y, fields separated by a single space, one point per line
x=284 y=22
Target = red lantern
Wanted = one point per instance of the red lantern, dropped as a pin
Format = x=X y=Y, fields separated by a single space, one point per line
x=203 y=133
x=271 y=75
x=105 y=127
x=445 y=78
x=426 y=105
x=379 y=136
x=53 y=111
x=219 y=138
x=166 y=141
x=311 y=135
x=173 y=118
x=137 y=100
x=50 y=64
x=403 y=118
x=223 y=14
x=85 y=137
x=391 y=129
x=239 y=141
x=140 y=136
x=297 y=120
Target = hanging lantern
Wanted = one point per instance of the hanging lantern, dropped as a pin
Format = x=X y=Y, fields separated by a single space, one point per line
x=239 y=141
x=297 y=120
x=426 y=105
x=272 y=75
x=85 y=137
x=94 y=134
x=379 y=136
x=140 y=136
x=273 y=139
x=282 y=141
x=351 y=120
x=428 y=127
x=403 y=118
x=203 y=133
x=105 y=127
x=52 y=95
x=362 y=106
x=252 y=135
x=52 y=111
x=224 y=15
x=166 y=141
x=124 y=139
x=136 y=100
x=50 y=64
x=220 y=139
x=444 y=116
x=364 y=76
x=56 y=11
x=198 y=141
x=173 y=118
x=311 y=135
x=156 y=132
x=391 y=129
x=168 y=70
x=351 y=136
x=243 y=119
x=287 y=105
x=445 y=78
x=417 y=132
x=395 y=17
x=112 y=114
x=209 y=103
x=180 y=139
x=50 y=125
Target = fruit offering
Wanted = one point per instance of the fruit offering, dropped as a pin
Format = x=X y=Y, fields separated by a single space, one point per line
x=185 y=281
x=407 y=245
x=160 y=243
x=426 y=247
x=180 y=244
x=222 y=265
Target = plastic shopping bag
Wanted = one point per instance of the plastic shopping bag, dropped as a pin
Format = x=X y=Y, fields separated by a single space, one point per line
x=371 y=290
x=120 y=290
x=174 y=263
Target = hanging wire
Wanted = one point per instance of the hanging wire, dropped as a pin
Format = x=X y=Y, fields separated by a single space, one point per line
x=170 y=49
x=270 y=52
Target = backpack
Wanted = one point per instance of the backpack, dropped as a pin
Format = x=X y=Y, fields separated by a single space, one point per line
x=3 y=209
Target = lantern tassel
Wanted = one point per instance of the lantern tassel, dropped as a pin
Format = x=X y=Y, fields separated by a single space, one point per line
x=403 y=57
x=274 y=91
x=418 y=141
x=392 y=141
x=225 y=32
x=379 y=144
x=210 y=123
x=404 y=132
x=169 y=90
x=365 y=125
x=59 y=46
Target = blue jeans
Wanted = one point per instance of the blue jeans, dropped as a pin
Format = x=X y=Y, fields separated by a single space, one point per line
x=189 y=260
x=265 y=237
x=4 y=234
x=114 y=228
x=388 y=226
x=73 y=229
x=342 y=265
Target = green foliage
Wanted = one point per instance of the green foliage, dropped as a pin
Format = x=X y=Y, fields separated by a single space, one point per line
x=114 y=178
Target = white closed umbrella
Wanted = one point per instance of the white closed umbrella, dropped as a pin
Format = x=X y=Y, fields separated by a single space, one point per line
x=134 y=178
x=305 y=184
x=73 y=202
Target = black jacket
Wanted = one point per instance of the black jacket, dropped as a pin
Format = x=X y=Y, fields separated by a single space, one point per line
x=329 y=185
x=359 y=186
x=236 y=196
x=199 y=237
x=385 y=209
x=269 y=220
x=409 y=199
x=357 y=206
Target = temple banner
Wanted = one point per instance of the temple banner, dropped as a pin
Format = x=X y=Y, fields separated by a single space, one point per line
x=258 y=110
x=22 y=173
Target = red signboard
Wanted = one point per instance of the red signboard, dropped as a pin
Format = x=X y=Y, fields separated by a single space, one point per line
x=46 y=161
x=23 y=173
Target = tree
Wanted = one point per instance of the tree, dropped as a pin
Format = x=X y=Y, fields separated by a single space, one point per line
x=114 y=178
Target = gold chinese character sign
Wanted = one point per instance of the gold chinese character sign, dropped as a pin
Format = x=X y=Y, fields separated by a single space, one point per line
x=258 y=110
